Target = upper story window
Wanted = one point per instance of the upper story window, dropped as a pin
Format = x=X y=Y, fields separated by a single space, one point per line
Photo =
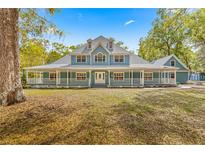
x=119 y=58
x=81 y=59
x=173 y=63
x=148 y=76
x=100 y=58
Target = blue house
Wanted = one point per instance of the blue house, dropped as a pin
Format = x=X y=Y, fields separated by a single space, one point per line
x=101 y=62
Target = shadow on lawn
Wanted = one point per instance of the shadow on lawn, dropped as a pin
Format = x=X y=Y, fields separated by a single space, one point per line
x=150 y=121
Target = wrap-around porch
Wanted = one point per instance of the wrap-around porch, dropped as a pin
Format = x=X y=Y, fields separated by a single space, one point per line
x=67 y=78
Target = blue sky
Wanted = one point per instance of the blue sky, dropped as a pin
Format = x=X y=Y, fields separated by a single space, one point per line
x=127 y=25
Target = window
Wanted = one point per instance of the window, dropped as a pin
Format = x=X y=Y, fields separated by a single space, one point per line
x=119 y=58
x=118 y=76
x=89 y=45
x=172 y=63
x=110 y=45
x=81 y=75
x=52 y=76
x=148 y=76
x=172 y=75
x=99 y=58
x=81 y=59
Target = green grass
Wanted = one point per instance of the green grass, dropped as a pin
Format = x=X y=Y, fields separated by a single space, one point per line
x=106 y=116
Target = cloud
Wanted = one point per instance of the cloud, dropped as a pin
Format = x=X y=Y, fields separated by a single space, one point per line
x=128 y=22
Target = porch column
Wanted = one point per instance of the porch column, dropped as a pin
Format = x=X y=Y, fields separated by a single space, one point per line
x=89 y=78
x=56 y=77
x=35 y=76
x=132 y=78
x=142 y=77
x=159 y=77
x=175 y=77
x=109 y=78
x=169 y=77
x=67 y=77
x=26 y=76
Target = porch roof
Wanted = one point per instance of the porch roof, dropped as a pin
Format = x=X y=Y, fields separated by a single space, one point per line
x=101 y=67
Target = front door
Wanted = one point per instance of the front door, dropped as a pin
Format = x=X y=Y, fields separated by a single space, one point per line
x=99 y=77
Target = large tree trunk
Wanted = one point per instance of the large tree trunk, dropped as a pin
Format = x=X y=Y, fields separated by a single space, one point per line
x=11 y=90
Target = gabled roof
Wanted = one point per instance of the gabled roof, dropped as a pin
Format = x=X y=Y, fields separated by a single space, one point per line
x=135 y=59
x=164 y=60
x=100 y=41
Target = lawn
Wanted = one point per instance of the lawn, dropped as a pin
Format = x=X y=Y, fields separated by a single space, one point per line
x=106 y=116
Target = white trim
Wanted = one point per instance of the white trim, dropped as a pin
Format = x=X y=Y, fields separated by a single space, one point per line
x=90 y=74
x=67 y=77
x=99 y=45
x=182 y=71
x=132 y=79
x=142 y=77
x=148 y=72
x=118 y=72
x=80 y=72
x=109 y=77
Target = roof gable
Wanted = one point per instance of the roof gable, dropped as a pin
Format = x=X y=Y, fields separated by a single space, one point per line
x=100 y=41
x=166 y=62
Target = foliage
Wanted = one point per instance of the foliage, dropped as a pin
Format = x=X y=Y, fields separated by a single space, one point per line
x=172 y=33
x=32 y=53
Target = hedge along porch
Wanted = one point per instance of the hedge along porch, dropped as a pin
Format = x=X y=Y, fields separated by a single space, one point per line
x=66 y=78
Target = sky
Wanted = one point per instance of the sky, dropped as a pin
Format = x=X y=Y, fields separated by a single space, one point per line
x=126 y=25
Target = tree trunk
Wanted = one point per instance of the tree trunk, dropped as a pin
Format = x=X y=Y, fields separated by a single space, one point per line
x=11 y=90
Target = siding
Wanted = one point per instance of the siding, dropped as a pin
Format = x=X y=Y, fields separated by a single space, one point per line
x=182 y=77
x=177 y=64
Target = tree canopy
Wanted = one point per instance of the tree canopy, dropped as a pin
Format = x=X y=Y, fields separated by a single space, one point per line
x=179 y=32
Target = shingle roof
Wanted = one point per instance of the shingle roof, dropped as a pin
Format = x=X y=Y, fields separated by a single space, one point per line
x=161 y=61
x=102 y=41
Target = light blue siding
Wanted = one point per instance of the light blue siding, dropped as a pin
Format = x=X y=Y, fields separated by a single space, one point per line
x=126 y=60
x=177 y=64
x=182 y=77
x=102 y=50
x=74 y=61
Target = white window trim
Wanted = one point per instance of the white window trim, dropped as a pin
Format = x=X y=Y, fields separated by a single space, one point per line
x=148 y=72
x=119 y=55
x=51 y=73
x=81 y=72
x=102 y=54
x=81 y=59
x=174 y=63
x=118 y=72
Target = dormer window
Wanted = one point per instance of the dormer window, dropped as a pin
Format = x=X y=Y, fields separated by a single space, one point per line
x=119 y=58
x=89 y=43
x=173 y=63
x=81 y=59
x=110 y=45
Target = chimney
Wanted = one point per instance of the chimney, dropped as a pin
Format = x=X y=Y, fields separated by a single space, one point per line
x=110 y=44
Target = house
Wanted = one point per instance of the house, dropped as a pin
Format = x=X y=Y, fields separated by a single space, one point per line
x=102 y=63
